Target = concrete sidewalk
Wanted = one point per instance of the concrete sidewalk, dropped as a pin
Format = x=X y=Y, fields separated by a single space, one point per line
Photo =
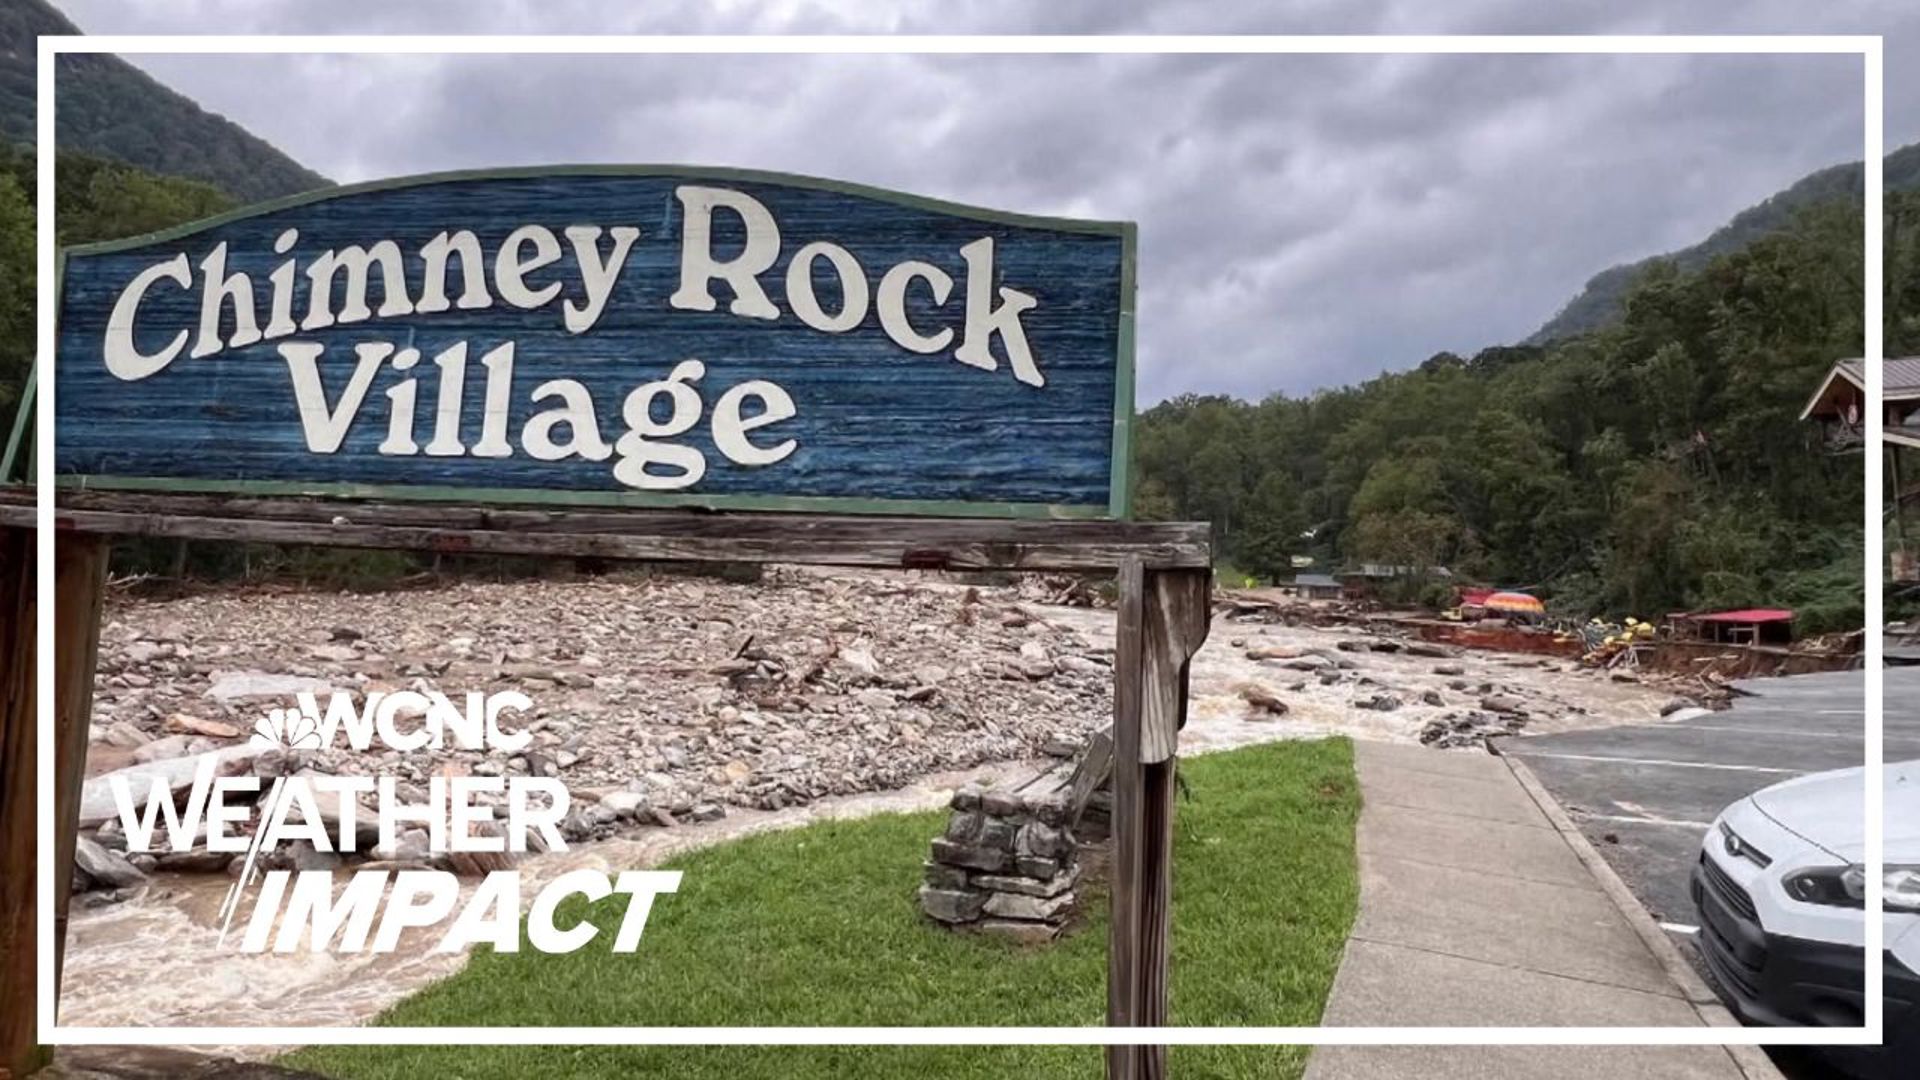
x=1477 y=911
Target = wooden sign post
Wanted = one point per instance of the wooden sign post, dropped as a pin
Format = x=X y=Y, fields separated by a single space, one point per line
x=653 y=363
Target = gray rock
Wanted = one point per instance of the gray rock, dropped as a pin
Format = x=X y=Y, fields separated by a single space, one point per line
x=1037 y=668
x=998 y=833
x=1027 y=886
x=1042 y=869
x=939 y=876
x=125 y=735
x=1080 y=665
x=1019 y=931
x=967 y=855
x=103 y=865
x=1020 y=906
x=625 y=804
x=1043 y=841
x=301 y=855
x=412 y=845
x=1502 y=703
x=861 y=661
x=965 y=826
x=875 y=699
x=1449 y=669
x=161 y=749
x=146 y=652
x=244 y=685
x=197 y=861
x=951 y=905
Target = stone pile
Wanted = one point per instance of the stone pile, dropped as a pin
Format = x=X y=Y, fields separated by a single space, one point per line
x=1007 y=865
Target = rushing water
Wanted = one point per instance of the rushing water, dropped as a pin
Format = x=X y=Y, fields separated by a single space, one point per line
x=156 y=958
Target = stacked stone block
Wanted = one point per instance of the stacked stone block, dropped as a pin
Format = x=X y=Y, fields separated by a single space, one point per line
x=1007 y=865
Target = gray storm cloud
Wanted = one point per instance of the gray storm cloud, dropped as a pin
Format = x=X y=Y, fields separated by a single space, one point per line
x=1305 y=221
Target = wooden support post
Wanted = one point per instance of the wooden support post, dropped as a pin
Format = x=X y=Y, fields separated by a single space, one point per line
x=19 y=819
x=79 y=584
x=1163 y=618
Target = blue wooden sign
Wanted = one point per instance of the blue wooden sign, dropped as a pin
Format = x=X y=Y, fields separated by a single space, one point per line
x=650 y=336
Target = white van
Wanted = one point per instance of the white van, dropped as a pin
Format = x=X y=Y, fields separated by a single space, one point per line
x=1779 y=886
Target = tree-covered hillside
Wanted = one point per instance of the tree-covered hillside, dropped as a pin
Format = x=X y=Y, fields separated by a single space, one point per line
x=111 y=109
x=1602 y=301
x=1654 y=465
x=96 y=199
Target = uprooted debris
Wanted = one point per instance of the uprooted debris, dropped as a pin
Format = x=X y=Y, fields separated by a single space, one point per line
x=656 y=701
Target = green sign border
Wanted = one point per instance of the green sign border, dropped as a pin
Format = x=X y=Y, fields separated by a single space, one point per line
x=1119 y=483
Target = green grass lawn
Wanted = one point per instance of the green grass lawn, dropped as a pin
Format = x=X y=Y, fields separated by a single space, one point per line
x=818 y=926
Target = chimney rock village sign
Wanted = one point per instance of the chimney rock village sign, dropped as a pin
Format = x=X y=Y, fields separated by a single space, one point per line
x=585 y=362
x=614 y=336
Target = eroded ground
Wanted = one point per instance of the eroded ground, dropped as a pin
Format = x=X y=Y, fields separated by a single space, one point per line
x=681 y=712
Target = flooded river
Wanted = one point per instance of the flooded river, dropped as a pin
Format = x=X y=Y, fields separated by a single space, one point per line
x=155 y=959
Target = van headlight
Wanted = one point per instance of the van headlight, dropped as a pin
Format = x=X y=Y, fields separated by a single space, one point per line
x=1846 y=886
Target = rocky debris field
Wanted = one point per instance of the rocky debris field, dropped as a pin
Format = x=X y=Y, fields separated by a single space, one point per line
x=1444 y=696
x=657 y=701
x=665 y=701
x=1266 y=675
x=1447 y=708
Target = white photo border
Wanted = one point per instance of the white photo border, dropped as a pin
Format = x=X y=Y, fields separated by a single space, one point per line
x=1870 y=48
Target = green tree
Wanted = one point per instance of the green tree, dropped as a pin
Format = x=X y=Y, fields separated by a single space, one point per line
x=1271 y=528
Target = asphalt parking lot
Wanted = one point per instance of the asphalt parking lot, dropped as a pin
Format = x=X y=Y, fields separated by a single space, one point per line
x=1644 y=795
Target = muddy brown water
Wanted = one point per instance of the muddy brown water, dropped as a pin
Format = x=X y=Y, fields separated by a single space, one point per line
x=155 y=959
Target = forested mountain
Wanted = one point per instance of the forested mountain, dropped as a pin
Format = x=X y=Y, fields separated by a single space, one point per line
x=111 y=109
x=1648 y=462
x=1653 y=465
x=1602 y=301
x=97 y=199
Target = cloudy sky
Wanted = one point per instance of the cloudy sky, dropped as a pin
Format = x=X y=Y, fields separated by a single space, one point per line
x=1305 y=221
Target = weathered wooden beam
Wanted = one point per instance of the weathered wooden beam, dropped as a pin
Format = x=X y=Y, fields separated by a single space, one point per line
x=921 y=543
x=683 y=522
x=1095 y=766
x=1163 y=618
x=79 y=584
x=19 y=816
x=1125 y=972
x=1178 y=614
